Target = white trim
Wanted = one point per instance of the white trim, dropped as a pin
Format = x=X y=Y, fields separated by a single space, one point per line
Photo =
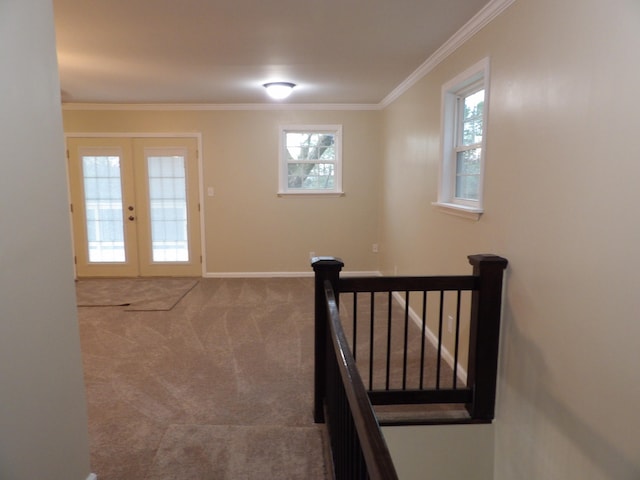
x=463 y=211
x=135 y=135
x=360 y=274
x=92 y=476
x=283 y=162
x=311 y=193
x=201 y=199
x=433 y=339
x=216 y=107
x=490 y=11
x=285 y=274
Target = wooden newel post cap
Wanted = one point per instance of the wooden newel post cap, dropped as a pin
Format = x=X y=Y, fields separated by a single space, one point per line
x=326 y=262
x=487 y=258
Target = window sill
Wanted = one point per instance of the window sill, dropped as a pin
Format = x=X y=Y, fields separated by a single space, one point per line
x=472 y=213
x=311 y=193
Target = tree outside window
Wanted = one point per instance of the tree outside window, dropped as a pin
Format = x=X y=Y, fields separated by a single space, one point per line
x=310 y=159
x=469 y=146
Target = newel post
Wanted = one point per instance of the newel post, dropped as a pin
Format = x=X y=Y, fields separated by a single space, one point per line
x=325 y=268
x=484 y=334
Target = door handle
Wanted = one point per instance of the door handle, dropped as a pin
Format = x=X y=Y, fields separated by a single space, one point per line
x=132 y=218
x=131 y=208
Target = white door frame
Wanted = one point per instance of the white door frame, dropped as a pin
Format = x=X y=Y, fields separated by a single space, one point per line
x=196 y=135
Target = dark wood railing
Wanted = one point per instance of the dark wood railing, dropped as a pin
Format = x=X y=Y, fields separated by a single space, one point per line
x=358 y=449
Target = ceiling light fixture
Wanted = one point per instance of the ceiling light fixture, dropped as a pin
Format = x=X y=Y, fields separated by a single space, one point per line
x=279 y=90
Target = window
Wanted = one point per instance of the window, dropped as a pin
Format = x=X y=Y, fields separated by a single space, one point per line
x=310 y=159
x=464 y=115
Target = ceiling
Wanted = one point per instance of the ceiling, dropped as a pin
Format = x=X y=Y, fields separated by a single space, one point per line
x=222 y=51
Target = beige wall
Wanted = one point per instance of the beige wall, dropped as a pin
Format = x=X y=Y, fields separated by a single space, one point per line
x=443 y=452
x=561 y=186
x=248 y=228
x=43 y=421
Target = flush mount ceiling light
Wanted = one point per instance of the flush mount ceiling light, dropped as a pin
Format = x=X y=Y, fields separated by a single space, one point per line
x=279 y=90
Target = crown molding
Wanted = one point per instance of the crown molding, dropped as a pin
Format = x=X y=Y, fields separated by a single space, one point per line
x=490 y=11
x=221 y=107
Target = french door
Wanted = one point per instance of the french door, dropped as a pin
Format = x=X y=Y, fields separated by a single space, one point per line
x=135 y=206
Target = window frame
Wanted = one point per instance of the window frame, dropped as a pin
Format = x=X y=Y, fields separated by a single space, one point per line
x=283 y=161
x=470 y=81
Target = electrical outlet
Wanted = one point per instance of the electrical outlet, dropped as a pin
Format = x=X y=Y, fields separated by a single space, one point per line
x=311 y=255
x=374 y=248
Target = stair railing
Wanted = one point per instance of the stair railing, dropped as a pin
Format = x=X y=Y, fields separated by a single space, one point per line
x=349 y=405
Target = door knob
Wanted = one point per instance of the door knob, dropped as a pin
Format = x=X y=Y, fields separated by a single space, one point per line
x=131 y=208
x=132 y=218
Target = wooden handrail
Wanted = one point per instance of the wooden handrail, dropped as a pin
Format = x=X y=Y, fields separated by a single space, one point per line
x=374 y=448
x=394 y=284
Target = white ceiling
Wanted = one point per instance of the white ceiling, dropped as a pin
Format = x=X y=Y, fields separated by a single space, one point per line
x=222 y=51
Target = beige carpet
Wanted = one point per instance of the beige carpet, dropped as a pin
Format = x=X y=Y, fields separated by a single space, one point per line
x=196 y=452
x=219 y=387
x=133 y=293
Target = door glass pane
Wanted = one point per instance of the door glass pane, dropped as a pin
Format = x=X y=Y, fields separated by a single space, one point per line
x=103 y=207
x=168 y=208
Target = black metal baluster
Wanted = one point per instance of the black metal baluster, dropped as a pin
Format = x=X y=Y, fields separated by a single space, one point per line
x=388 y=341
x=455 y=356
x=424 y=326
x=355 y=322
x=439 y=359
x=406 y=340
x=371 y=339
x=353 y=455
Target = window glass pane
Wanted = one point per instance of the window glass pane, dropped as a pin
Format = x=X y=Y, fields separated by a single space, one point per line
x=315 y=153
x=168 y=208
x=296 y=174
x=310 y=146
x=468 y=174
x=327 y=152
x=472 y=132
x=103 y=207
x=311 y=176
x=294 y=152
x=468 y=162
x=473 y=104
x=472 y=118
x=321 y=177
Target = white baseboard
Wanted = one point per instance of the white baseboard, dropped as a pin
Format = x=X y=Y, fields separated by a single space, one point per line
x=360 y=274
x=432 y=337
x=285 y=274
x=257 y=274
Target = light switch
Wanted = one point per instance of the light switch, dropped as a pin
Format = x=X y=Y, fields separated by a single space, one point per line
x=210 y=191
